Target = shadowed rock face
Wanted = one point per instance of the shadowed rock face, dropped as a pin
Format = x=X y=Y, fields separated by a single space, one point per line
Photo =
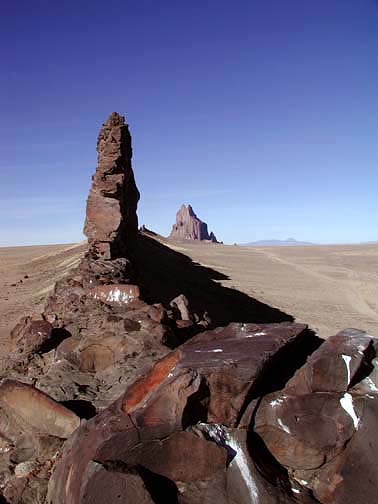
x=189 y=227
x=111 y=220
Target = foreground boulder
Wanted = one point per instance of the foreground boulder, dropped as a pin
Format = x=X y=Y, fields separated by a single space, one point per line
x=189 y=227
x=324 y=421
x=201 y=426
x=162 y=432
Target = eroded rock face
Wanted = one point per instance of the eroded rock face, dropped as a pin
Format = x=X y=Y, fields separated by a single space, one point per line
x=111 y=220
x=159 y=429
x=189 y=227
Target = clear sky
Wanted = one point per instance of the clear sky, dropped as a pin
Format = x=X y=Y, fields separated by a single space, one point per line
x=263 y=114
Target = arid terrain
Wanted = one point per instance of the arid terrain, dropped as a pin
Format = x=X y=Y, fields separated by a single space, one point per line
x=27 y=275
x=328 y=287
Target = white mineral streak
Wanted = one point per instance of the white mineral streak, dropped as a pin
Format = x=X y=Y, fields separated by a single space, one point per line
x=347 y=359
x=252 y=335
x=216 y=350
x=283 y=426
x=241 y=462
x=347 y=404
x=171 y=373
x=302 y=482
x=118 y=297
x=223 y=438
x=295 y=490
x=277 y=402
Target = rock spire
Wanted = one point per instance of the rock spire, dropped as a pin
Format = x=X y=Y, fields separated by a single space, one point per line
x=111 y=222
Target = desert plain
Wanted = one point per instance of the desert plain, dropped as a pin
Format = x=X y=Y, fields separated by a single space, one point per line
x=328 y=287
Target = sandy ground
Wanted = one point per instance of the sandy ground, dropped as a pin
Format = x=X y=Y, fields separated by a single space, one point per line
x=329 y=287
x=27 y=275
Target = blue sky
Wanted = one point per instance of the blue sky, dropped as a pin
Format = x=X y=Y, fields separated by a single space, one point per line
x=261 y=114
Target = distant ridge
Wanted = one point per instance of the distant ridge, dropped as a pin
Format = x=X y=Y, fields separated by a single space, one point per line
x=290 y=242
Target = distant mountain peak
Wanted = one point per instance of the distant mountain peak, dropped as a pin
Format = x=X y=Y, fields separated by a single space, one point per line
x=189 y=227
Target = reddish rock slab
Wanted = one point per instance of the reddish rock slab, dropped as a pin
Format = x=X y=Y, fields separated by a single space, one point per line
x=35 y=411
x=334 y=365
x=233 y=360
x=30 y=335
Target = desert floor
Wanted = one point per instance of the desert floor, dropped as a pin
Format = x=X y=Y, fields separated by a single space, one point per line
x=328 y=287
x=27 y=275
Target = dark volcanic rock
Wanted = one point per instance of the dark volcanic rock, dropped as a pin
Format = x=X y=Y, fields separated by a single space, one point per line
x=189 y=227
x=158 y=428
x=30 y=335
x=321 y=422
x=111 y=221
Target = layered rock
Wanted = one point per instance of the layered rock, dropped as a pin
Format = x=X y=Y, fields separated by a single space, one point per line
x=189 y=227
x=111 y=220
x=95 y=336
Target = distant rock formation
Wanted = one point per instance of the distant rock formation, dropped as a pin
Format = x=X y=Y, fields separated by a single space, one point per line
x=189 y=227
x=111 y=220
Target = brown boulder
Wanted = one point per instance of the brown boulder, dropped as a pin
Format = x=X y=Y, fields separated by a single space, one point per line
x=33 y=411
x=30 y=335
x=150 y=431
x=321 y=423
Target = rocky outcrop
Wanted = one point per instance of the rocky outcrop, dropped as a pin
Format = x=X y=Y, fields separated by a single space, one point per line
x=189 y=227
x=322 y=421
x=109 y=398
x=111 y=220
x=175 y=430
x=95 y=336
x=200 y=426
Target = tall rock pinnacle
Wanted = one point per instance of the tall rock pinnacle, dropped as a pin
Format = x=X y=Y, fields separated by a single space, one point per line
x=111 y=223
x=189 y=227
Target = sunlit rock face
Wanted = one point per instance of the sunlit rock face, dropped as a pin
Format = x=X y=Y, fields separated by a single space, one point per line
x=111 y=220
x=189 y=227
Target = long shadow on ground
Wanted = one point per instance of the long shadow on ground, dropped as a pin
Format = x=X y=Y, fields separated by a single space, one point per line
x=164 y=273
